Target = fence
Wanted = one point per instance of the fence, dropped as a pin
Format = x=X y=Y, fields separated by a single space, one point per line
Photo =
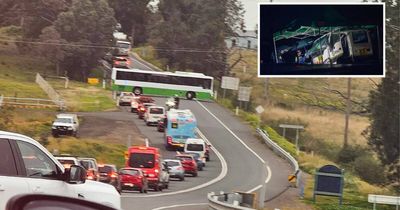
x=46 y=87
x=225 y=201
x=281 y=152
x=31 y=102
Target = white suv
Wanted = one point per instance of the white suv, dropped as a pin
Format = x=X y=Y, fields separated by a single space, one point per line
x=27 y=167
x=65 y=124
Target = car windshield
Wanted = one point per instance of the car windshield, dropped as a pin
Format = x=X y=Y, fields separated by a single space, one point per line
x=64 y=120
x=172 y=163
x=105 y=169
x=87 y=164
x=156 y=111
x=66 y=163
x=141 y=160
x=129 y=172
x=195 y=147
x=146 y=100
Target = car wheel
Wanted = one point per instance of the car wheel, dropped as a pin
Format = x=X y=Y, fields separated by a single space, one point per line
x=201 y=168
x=190 y=95
x=147 y=123
x=157 y=188
x=137 y=91
x=182 y=178
x=141 y=190
x=207 y=159
x=132 y=110
x=195 y=174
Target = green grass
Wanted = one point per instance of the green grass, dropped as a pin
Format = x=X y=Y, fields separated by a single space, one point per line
x=150 y=55
x=282 y=142
x=103 y=152
x=82 y=97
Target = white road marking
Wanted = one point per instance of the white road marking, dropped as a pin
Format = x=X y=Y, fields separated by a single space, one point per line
x=221 y=175
x=244 y=144
x=180 y=205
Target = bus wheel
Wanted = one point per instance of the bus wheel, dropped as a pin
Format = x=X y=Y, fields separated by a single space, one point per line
x=190 y=95
x=137 y=91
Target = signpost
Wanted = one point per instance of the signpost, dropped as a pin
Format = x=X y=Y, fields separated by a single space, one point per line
x=329 y=181
x=297 y=127
x=259 y=110
x=231 y=83
x=244 y=95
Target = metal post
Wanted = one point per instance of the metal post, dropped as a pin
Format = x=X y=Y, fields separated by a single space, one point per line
x=224 y=94
x=297 y=141
x=261 y=196
x=276 y=55
x=284 y=132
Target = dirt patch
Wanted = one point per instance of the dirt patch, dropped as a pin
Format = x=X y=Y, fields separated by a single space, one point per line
x=112 y=131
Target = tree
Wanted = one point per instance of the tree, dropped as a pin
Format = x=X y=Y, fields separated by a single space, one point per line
x=191 y=34
x=383 y=133
x=53 y=53
x=133 y=17
x=87 y=27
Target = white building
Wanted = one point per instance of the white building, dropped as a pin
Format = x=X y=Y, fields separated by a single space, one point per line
x=244 y=39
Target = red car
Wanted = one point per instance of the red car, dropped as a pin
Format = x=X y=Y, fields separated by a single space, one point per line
x=132 y=179
x=160 y=125
x=121 y=62
x=137 y=101
x=189 y=164
x=142 y=109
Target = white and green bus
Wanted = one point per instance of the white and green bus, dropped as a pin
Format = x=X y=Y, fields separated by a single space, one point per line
x=184 y=84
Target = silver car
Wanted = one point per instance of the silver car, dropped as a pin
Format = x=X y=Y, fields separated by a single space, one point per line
x=175 y=169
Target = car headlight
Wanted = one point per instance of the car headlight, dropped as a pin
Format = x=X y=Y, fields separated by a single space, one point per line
x=53 y=127
x=69 y=128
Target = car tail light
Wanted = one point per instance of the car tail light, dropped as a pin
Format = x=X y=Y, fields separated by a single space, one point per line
x=113 y=175
x=142 y=109
x=156 y=171
x=90 y=177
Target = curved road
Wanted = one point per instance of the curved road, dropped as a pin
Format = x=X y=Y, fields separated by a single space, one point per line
x=245 y=170
x=228 y=135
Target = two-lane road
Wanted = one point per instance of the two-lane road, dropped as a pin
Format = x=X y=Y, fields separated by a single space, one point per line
x=245 y=171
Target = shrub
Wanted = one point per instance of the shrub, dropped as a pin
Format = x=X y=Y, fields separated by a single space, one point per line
x=369 y=169
x=350 y=153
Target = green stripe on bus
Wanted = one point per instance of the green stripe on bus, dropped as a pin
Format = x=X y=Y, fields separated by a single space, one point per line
x=161 y=92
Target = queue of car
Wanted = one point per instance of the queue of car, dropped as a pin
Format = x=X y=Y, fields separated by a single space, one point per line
x=145 y=168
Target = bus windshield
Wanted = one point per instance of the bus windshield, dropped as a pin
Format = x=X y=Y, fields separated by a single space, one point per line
x=141 y=160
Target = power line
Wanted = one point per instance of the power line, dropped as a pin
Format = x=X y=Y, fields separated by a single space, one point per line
x=190 y=50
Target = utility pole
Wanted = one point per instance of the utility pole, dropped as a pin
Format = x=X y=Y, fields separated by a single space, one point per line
x=347 y=114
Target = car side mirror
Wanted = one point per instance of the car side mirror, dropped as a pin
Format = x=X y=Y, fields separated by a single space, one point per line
x=42 y=201
x=75 y=174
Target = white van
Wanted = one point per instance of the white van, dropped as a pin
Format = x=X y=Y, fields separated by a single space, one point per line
x=196 y=146
x=154 y=114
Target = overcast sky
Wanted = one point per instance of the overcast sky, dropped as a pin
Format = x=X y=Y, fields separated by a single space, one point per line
x=251 y=9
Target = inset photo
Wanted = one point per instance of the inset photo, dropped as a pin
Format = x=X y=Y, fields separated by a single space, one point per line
x=321 y=40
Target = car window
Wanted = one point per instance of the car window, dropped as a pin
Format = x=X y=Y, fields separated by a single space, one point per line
x=7 y=163
x=105 y=169
x=64 y=120
x=130 y=172
x=156 y=111
x=37 y=163
x=360 y=37
x=172 y=163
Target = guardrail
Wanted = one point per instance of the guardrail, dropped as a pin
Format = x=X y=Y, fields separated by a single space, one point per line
x=384 y=199
x=31 y=102
x=281 y=152
x=225 y=201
